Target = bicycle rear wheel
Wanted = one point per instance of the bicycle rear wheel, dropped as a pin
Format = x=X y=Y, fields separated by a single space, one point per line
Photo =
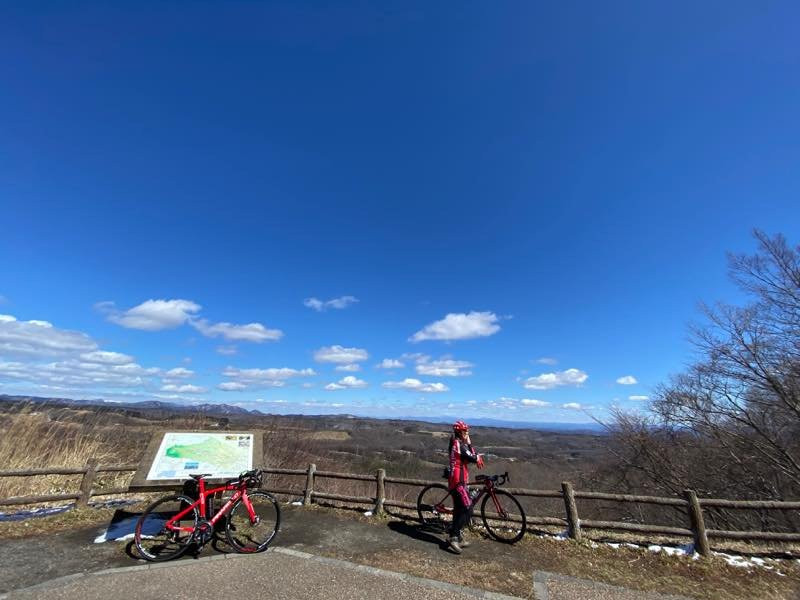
x=503 y=516
x=435 y=507
x=154 y=540
x=246 y=534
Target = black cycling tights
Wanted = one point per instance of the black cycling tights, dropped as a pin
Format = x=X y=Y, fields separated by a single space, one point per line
x=461 y=514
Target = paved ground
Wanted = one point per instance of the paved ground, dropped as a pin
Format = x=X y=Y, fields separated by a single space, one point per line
x=281 y=574
x=31 y=561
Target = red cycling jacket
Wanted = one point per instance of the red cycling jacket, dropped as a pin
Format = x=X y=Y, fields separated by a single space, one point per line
x=461 y=454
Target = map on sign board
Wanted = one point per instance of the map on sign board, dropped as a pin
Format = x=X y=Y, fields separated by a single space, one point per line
x=220 y=454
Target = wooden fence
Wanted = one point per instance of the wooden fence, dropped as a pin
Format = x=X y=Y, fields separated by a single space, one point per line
x=690 y=503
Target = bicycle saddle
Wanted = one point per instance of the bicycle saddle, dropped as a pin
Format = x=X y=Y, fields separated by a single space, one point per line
x=198 y=477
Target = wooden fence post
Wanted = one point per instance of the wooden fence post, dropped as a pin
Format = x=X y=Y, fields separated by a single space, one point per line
x=87 y=482
x=312 y=468
x=573 y=522
x=381 y=492
x=698 y=524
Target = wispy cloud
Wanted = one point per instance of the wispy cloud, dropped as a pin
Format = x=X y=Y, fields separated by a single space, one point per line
x=340 y=354
x=183 y=389
x=415 y=385
x=345 y=383
x=546 y=360
x=627 y=380
x=639 y=398
x=352 y=368
x=251 y=332
x=390 y=363
x=445 y=367
x=336 y=303
x=260 y=378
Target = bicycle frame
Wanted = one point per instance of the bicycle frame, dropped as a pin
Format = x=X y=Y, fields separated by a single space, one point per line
x=239 y=491
x=488 y=488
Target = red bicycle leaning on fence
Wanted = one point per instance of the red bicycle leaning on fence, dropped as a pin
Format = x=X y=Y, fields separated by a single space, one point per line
x=171 y=524
x=501 y=512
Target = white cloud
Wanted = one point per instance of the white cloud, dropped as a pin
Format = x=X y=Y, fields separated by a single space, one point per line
x=183 y=389
x=546 y=360
x=340 y=354
x=547 y=381
x=572 y=406
x=106 y=358
x=505 y=402
x=349 y=368
x=178 y=372
x=231 y=386
x=272 y=373
x=323 y=305
x=533 y=402
x=639 y=398
x=459 y=326
x=390 y=363
x=627 y=380
x=226 y=350
x=349 y=382
x=415 y=385
x=260 y=378
x=151 y=315
x=40 y=338
x=252 y=332
x=72 y=373
x=445 y=368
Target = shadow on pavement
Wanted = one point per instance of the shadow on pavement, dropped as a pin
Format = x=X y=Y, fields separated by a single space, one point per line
x=418 y=532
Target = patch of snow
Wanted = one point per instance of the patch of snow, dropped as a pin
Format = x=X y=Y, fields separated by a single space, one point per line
x=297 y=503
x=368 y=513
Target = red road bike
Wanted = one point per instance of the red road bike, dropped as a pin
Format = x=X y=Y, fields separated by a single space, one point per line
x=170 y=525
x=501 y=512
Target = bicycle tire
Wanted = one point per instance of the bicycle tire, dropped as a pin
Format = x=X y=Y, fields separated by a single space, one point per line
x=245 y=536
x=506 y=525
x=435 y=507
x=153 y=541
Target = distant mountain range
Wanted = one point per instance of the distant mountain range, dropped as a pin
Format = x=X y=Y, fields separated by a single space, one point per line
x=227 y=409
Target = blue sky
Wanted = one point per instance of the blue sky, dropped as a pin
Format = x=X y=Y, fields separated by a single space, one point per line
x=521 y=205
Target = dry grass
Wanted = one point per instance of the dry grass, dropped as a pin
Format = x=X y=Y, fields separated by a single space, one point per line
x=336 y=436
x=33 y=440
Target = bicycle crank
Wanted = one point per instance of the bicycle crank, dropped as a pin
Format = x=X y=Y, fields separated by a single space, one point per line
x=203 y=532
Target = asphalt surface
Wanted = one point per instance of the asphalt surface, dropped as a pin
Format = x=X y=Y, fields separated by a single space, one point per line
x=280 y=574
x=70 y=565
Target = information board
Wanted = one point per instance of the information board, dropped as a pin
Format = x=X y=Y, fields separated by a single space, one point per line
x=219 y=454
x=172 y=456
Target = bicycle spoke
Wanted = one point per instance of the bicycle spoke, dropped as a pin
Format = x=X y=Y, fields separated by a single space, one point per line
x=159 y=538
x=253 y=532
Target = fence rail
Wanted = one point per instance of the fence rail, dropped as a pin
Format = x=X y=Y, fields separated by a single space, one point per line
x=690 y=502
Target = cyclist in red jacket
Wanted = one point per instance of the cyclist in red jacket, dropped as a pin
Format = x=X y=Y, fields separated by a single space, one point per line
x=461 y=454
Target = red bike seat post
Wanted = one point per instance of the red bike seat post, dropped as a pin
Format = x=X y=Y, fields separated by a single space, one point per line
x=201 y=486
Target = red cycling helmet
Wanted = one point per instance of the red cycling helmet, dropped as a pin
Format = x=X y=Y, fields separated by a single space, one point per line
x=460 y=426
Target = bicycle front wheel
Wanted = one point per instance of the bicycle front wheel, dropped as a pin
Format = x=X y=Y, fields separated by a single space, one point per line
x=503 y=517
x=435 y=507
x=157 y=536
x=248 y=532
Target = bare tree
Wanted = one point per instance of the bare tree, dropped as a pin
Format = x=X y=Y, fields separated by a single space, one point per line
x=730 y=424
